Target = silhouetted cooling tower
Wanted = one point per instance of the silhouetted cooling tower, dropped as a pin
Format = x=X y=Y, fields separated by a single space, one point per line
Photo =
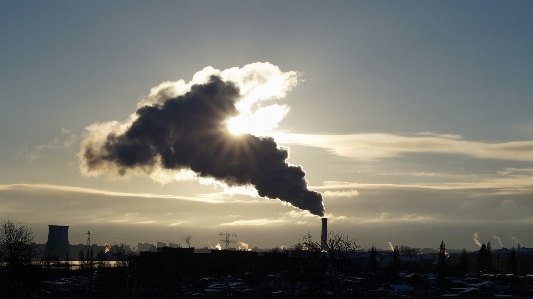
x=324 y=236
x=57 y=245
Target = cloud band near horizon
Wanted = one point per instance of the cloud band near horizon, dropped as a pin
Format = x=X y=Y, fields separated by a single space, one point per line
x=379 y=145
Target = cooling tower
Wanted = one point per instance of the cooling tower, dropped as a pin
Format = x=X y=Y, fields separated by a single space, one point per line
x=324 y=236
x=57 y=245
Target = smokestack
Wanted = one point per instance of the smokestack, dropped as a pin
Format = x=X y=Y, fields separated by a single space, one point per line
x=57 y=244
x=324 y=236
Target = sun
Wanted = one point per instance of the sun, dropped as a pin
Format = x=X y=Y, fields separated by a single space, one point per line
x=236 y=125
x=246 y=124
x=261 y=122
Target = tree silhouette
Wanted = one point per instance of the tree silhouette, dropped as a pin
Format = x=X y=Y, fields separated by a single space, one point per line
x=464 y=264
x=484 y=258
x=17 y=250
x=442 y=258
x=396 y=261
x=489 y=258
x=408 y=251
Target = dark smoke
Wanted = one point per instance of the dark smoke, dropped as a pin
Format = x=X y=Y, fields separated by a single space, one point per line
x=189 y=132
x=188 y=240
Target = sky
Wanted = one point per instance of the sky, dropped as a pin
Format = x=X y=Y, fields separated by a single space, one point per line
x=412 y=119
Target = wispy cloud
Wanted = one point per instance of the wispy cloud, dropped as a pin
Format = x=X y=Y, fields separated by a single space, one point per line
x=416 y=174
x=516 y=171
x=348 y=193
x=514 y=183
x=384 y=218
x=253 y=222
x=200 y=198
x=177 y=223
x=376 y=146
x=298 y=214
x=67 y=141
x=445 y=136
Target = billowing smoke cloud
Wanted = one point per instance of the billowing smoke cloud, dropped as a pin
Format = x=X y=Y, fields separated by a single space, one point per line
x=476 y=240
x=188 y=240
x=390 y=246
x=499 y=241
x=516 y=240
x=181 y=127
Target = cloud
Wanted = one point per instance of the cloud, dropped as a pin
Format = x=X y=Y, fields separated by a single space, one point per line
x=55 y=188
x=384 y=218
x=377 y=146
x=416 y=174
x=445 y=136
x=348 y=193
x=177 y=223
x=299 y=214
x=254 y=222
x=516 y=184
x=516 y=171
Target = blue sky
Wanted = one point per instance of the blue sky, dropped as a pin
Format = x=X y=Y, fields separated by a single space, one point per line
x=415 y=116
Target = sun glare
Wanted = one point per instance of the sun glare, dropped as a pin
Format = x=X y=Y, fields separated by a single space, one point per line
x=261 y=122
x=234 y=126
x=242 y=125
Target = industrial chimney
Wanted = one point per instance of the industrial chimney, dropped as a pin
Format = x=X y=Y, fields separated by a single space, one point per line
x=57 y=245
x=324 y=236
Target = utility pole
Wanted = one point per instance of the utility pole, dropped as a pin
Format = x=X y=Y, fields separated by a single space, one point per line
x=227 y=238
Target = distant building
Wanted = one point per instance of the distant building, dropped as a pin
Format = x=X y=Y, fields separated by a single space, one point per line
x=146 y=247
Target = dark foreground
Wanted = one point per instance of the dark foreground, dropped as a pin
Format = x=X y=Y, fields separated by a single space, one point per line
x=178 y=274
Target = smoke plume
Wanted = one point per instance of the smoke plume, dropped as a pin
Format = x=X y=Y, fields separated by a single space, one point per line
x=244 y=247
x=516 y=240
x=217 y=247
x=476 y=237
x=181 y=127
x=188 y=240
x=499 y=241
x=390 y=246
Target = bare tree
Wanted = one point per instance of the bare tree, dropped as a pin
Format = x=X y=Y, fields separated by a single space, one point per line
x=408 y=251
x=127 y=264
x=17 y=250
x=334 y=260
